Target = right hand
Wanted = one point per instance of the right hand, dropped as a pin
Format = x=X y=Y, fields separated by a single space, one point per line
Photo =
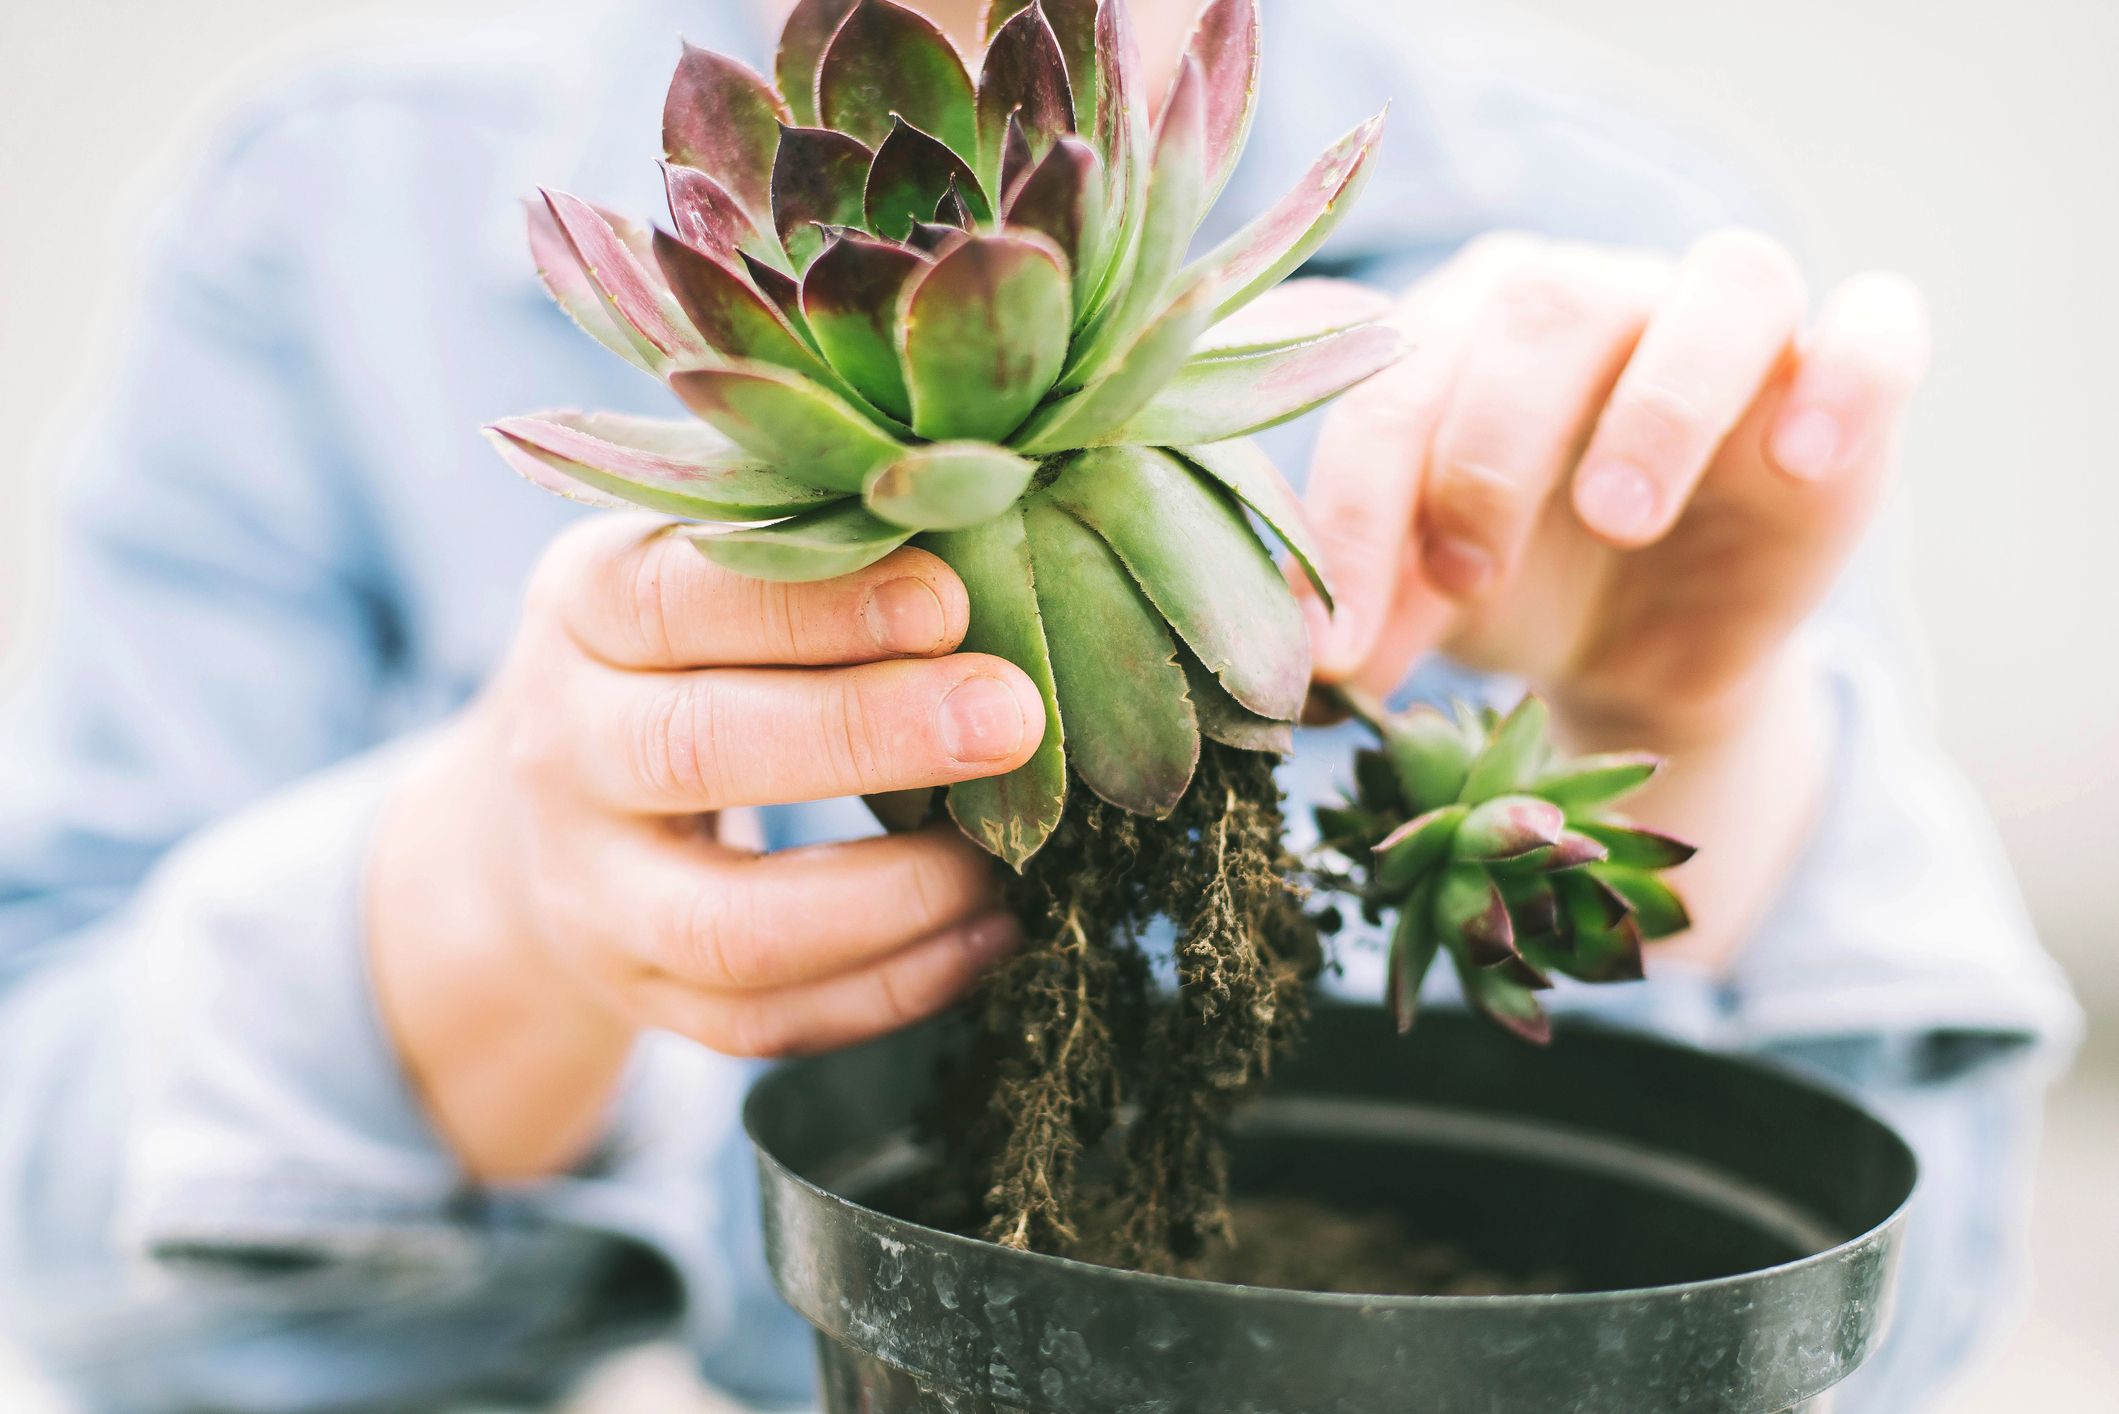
x=557 y=858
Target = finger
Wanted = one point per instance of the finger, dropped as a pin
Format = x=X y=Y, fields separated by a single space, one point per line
x=1705 y=355
x=1550 y=342
x=683 y=743
x=633 y=594
x=1868 y=352
x=897 y=991
x=1365 y=475
x=735 y=922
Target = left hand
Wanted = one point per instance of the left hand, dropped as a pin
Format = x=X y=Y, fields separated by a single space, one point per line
x=1624 y=478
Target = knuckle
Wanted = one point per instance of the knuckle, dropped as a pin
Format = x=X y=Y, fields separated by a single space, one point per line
x=1542 y=303
x=1665 y=418
x=849 y=730
x=676 y=743
x=1754 y=262
x=752 y=1031
x=648 y=611
x=1474 y=495
x=898 y=1001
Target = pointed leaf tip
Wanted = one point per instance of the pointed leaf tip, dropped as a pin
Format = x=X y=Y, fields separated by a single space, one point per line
x=724 y=120
x=983 y=334
x=885 y=61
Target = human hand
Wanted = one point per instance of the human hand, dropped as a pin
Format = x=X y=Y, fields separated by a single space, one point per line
x=551 y=881
x=1624 y=478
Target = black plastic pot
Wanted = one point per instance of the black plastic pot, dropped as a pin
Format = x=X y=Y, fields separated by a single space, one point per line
x=1731 y=1232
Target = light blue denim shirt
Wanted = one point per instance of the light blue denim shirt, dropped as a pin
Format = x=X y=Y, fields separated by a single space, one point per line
x=285 y=547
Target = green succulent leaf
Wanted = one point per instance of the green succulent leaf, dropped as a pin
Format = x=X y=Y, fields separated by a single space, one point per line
x=789 y=421
x=1024 y=80
x=1509 y=827
x=1272 y=247
x=1216 y=396
x=1573 y=850
x=983 y=335
x=1430 y=756
x=1010 y=815
x=1297 y=312
x=820 y=544
x=1247 y=471
x=807 y=35
x=1201 y=565
x=679 y=468
x=1603 y=940
x=888 y=62
x=947 y=485
x=819 y=179
x=1376 y=783
x=1407 y=853
x=1121 y=689
x=1657 y=909
x=1121 y=135
x=1512 y=754
x=724 y=120
x=1637 y=848
x=1414 y=943
x=912 y=178
x=1085 y=418
x=1222 y=718
x=1225 y=46
x=850 y=298
x=1590 y=781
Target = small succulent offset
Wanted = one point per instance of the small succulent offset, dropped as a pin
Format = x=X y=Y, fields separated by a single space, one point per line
x=908 y=304
x=1490 y=848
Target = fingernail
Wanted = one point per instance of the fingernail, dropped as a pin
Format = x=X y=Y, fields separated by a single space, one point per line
x=988 y=937
x=1616 y=499
x=905 y=616
x=1806 y=444
x=1455 y=565
x=981 y=720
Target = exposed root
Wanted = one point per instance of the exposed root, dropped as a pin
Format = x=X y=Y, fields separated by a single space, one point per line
x=1072 y=1028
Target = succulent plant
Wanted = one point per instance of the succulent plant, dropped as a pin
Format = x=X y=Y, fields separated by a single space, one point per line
x=908 y=305
x=1487 y=846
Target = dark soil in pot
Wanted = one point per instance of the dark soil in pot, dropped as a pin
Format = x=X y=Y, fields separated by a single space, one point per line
x=1616 y=1226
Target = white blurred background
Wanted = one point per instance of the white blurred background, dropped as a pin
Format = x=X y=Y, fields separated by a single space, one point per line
x=1974 y=147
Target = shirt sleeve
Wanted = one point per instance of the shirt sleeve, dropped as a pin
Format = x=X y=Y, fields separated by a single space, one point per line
x=216 y=1188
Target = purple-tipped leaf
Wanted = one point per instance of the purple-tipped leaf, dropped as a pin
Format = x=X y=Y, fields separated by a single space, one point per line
x=576 y=293
x=1297 y=312
x=724 y=120
x=788 y=421
x=1509 y=827
x=819 y=179
x=1174 y=204
x=1012 y=815
x=782 y=290
x=1590 y=781
x=678 y=468
x=1573 y=850
x=1535 y=907
x=1199 y=562
x=1512 y=755
x=947 y=485
x=1122 y=693
x=1225 y=46
x=634 y=297
x=807 y=35
x=1126 y=384
x=850 y=298
x=912 y=174
x=821 y=544
x=1218 y=396
x=1119 y=120
x=1468 y=905
x=1017 y=160
x=1061 y=198
x=734 y=318
x=704 y=215
x=1023 y=84
x=983 y=334
x=1245 y=469
x=1504 y=1001
x=1408 y=852
x=887 y=61
x=1637 y=848
x=1657 y=910
x=1268 y=250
